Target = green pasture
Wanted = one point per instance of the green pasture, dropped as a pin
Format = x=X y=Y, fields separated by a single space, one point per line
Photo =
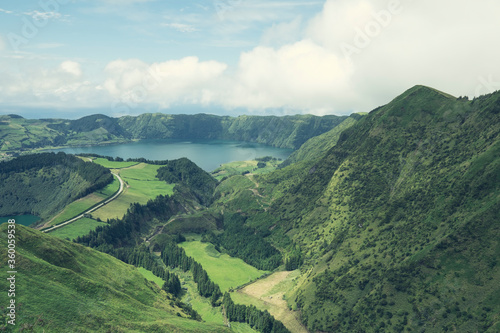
x=80 y=227
x=222 y=269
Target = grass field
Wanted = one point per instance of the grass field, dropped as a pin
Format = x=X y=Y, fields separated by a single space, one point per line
x=202 y=305
x=224 y=270
x=151 y=277
x=80 y=227
x=112 y=164
x=240 y=167
x=79 y=206
x=142 y=185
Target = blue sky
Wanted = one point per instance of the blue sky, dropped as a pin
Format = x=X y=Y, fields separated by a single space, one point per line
x=76 y=57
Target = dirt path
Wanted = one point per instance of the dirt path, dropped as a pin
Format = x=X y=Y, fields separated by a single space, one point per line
x=122 y=183
x=278 y=307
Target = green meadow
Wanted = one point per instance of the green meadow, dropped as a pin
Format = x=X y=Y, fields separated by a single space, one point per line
x=113 y=164
x=78 y=228
x=245 y=167
x=148 y=275
x=222 y=269
x=142 y=185
x=79 y=206
x=202 y=305
x=65 y=287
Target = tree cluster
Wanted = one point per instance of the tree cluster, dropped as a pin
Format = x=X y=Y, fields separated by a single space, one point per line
x=183 y=171
x=174 y=256
x=246 y=243
x=95 y=174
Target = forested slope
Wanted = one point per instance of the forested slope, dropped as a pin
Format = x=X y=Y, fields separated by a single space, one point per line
x=43 y=184
x=317 y=146
x=399 y=221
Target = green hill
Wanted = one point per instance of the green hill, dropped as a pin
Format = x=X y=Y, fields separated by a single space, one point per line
x=66 y=287
x=397 y=224
x=44 y=184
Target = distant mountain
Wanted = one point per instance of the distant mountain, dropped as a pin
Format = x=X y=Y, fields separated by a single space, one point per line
x=397 y=223
x=19 y=134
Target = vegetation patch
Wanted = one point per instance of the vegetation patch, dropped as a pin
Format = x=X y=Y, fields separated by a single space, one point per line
x=141 y=186
x=224 y=270
x=113 y=164
x=76 y=229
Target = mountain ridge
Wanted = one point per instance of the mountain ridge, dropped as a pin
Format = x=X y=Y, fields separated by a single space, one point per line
x=19 y=134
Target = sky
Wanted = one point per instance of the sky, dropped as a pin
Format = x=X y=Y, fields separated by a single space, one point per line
x=70 y=58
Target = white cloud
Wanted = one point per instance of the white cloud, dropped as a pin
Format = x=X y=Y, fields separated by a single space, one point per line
x=187 y=80
x=394 y=45
x=43 y=16
x=300 y=66
x=302 y=75
x=71 y=67
x=6 y=11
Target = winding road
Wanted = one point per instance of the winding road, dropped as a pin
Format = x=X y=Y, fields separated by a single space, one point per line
x=122 y=186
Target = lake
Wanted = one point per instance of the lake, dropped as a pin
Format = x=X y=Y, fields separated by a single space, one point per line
x=21 y=219
x=207 y=154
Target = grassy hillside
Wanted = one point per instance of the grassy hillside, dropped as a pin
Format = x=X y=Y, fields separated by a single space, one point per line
x=142 y=185
x=317 y=146
x=44 y=184
x=399 y=221
x=65 y=287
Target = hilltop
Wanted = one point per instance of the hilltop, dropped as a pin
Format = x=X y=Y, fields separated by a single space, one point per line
x=396 y=224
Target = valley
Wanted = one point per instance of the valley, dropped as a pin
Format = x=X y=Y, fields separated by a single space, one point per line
x=382 y=222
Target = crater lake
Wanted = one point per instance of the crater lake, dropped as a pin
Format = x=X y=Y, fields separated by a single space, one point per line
x=207 y=154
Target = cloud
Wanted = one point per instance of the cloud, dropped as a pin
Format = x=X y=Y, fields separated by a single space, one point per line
x=360 y=54
x=6 y=11
x=354 y=55
x=71 y=67
x=300 y=76
x=180 y=27
x=187 y=80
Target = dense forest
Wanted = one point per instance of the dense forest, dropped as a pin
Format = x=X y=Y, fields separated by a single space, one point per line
x=241 y=241
x=184 y=172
